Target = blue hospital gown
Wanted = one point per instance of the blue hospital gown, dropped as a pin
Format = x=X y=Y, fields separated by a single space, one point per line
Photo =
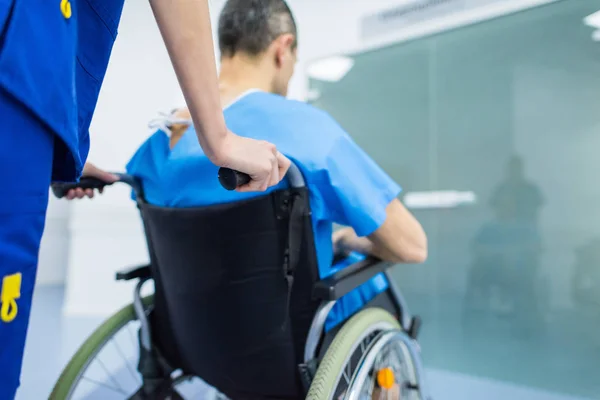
x=346 y=186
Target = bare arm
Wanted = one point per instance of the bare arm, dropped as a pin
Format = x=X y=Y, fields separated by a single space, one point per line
x=186 y=30
x=399 y=239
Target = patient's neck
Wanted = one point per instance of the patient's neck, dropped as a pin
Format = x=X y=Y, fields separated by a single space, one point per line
x=241 y=73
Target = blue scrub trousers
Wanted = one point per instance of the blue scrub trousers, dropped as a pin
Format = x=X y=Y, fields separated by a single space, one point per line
x=26 y=155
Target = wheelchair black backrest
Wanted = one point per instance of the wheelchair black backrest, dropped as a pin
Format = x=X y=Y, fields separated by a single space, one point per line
x=220 y=281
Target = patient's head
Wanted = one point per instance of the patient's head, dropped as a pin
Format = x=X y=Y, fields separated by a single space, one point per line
x=257 y=39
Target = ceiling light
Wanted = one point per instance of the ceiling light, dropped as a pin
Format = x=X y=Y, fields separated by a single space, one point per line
x=330 y=69
x=593 y=20
x=313 y=95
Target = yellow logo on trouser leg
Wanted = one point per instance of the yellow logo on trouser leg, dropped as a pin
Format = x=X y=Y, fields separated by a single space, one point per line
x=11 y=291
x=65 y=8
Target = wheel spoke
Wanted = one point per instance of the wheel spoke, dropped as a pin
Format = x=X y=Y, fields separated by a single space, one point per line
x=127 y=361
x=120 y=391
x=133 y=343
x=109 y=374
x=349 y=370
x=371 y=388
x=174 y=395
x=346 y=377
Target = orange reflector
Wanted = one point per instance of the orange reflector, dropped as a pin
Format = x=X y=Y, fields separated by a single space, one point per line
x=385 y=378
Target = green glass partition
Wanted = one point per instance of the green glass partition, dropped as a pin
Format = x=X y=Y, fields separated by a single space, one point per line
x=506 y=113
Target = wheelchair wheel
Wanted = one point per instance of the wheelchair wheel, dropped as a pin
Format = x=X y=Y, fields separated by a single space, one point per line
x=371 y=346
x=105 y=366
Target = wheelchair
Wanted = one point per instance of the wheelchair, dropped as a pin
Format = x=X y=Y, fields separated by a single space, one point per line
x=238 y=303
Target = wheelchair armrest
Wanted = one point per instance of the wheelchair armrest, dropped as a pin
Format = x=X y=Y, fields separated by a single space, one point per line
x=349 y=278
x=139 y=272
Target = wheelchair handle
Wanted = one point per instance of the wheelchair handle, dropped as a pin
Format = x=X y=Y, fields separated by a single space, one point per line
x=231 y=179
x=60 y=189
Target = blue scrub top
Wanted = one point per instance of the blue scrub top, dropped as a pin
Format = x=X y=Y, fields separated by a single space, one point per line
x=53 y=60
x=346 y=186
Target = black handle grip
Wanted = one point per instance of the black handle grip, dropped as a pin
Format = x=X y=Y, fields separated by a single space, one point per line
x=61 y=189
x=231 y=179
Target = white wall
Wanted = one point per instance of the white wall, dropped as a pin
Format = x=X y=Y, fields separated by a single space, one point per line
x=54 y=250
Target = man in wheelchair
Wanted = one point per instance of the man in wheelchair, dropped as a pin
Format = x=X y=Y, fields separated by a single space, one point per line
x=258 y=45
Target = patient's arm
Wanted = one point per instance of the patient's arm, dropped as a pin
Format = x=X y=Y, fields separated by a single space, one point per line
x=399 y=239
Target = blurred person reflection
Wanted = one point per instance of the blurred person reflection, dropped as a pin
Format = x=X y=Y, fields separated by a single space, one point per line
x=585 y=284
x=506 y=251
x=516 y=198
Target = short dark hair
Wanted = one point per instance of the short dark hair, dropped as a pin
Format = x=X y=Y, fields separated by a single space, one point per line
x=250 y=26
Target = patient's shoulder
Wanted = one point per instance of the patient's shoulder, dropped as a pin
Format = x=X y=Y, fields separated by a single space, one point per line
x=307 y=117
x=269 y=108
x=303 y=107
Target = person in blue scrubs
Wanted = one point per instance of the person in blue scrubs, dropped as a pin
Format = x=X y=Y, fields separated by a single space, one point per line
x=53 y=58
x=257 y=41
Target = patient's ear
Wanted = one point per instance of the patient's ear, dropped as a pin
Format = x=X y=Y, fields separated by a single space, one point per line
x=285 y=45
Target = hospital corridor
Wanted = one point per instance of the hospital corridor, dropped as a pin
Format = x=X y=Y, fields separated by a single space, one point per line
x=436 y=236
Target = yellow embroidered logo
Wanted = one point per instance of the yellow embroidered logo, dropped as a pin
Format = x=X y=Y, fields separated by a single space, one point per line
x=65 y=8
x=11 y=291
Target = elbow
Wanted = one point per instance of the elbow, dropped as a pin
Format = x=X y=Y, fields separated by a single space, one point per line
x=420 y=252
x=415 y=254
x=419 y=256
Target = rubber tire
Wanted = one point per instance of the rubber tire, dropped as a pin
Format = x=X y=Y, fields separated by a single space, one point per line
x=90 y=348
x=333 y=363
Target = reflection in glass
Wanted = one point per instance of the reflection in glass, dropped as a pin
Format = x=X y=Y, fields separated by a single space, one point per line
x=506 y=110
x=506 y=253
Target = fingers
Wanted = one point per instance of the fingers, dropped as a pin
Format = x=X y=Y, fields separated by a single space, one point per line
x=280 y=167
x=90 y=170
x=268 y=174
x=266 y=166
x=79 y=194
x=274 y=178
x=255 y=185
x=284 y=164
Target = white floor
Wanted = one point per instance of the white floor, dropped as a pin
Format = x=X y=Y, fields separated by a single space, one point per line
x=53 y=338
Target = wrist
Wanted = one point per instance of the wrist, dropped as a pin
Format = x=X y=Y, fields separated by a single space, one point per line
x=217 y=148
x=215 y=142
